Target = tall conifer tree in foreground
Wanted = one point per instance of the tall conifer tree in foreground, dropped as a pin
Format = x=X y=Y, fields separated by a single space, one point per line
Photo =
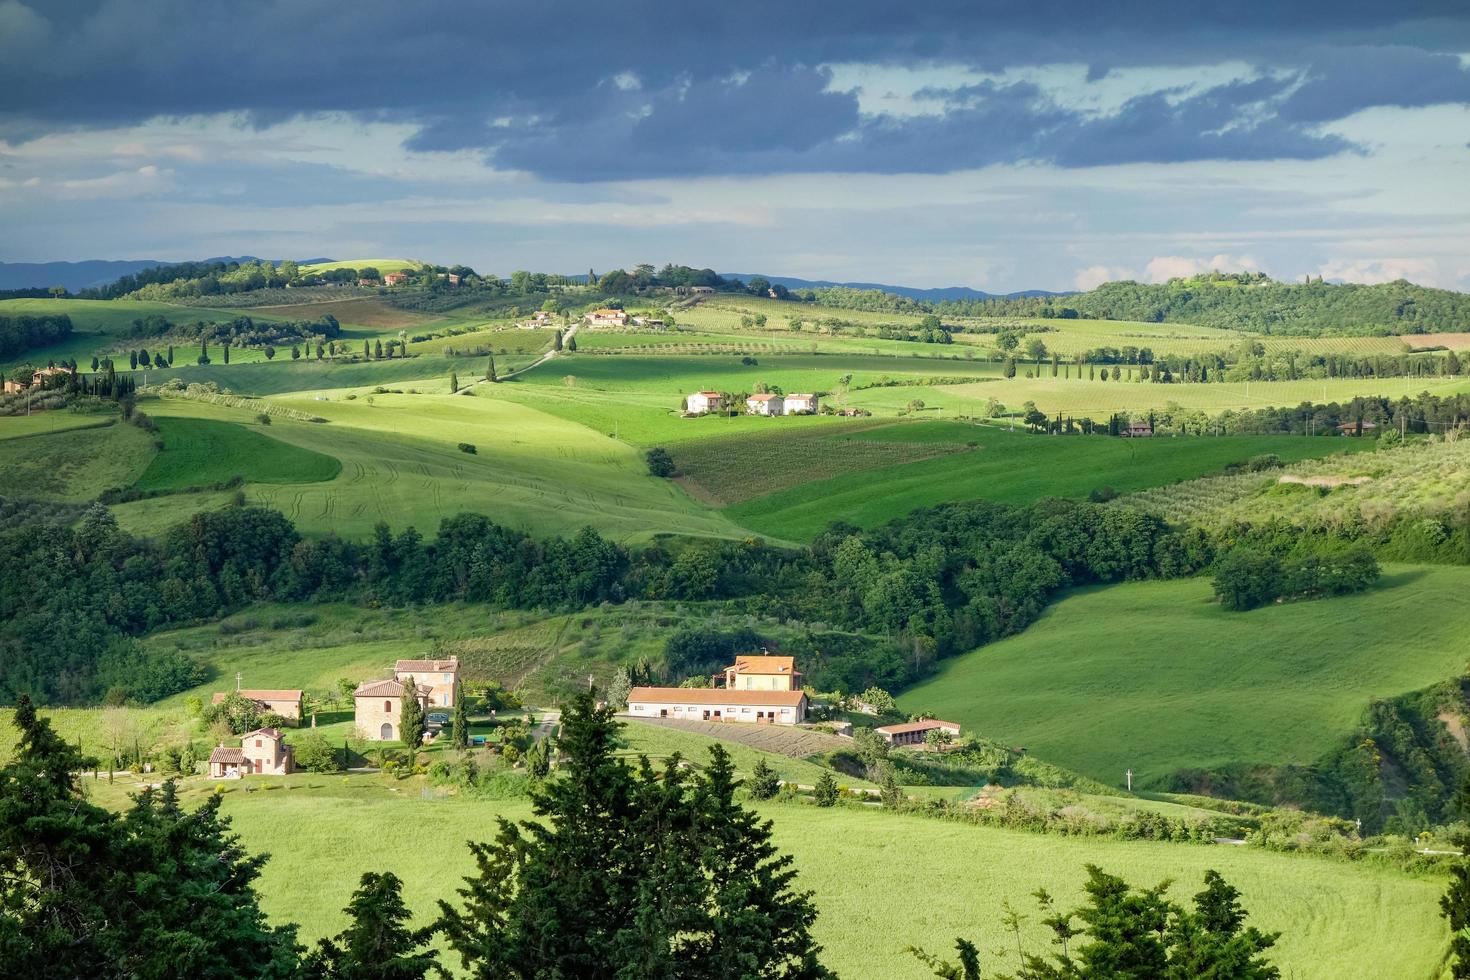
x=632 y=872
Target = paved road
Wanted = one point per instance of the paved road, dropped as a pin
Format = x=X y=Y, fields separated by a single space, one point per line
x=571 y=332
x=547 y=726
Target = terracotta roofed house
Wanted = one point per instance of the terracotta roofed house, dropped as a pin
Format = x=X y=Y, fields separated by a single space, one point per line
x=263 y=752
x=764 y=405
x=711 y=704
x=606 y=317
x=763 y=672
x=803 y=404
x=378 y=707
x=440 y=676
x=394 y=278
x=913 y=732
x=286 y=703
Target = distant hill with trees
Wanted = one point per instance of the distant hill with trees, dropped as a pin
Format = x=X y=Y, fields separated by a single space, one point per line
x=1251 y=301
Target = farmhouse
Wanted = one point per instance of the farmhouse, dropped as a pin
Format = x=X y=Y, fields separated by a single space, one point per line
x=440 y=676
x=801 y=404
x=1351 y=428
x=913 y=732
x=542 y=316
x=1139 y=430
x=707 y=704
x=367 y=282
x=378 y=707
x=285 y=703
x=761 y=672
x=649 y=321
x=11 y=387
x=702 y=402
x=449 y=277
x=394 y=278
x=606 y=318
x=263 y=752
x=764 y=405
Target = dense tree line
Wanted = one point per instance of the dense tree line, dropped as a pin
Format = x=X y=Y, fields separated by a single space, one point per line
x=19 y=334
x=1248 y=301
x=240 y=331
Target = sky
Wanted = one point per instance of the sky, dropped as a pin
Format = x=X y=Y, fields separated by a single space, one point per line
x=1054 y=144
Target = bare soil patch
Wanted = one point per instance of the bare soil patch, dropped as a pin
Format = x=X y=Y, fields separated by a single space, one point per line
x=1330 y=482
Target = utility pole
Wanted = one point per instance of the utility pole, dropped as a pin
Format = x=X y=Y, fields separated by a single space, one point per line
x=237 y=682
x=1129 y=775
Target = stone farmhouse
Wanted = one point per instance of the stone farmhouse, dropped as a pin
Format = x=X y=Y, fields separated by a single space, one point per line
x=704 y=402
x=764 y=405
x=285 y=703
x=606 y=318
x=440 y=676
x=801 y=404
x=395 y=278
x=263 y=752
x=37 y=379
x=913 y=732
x=379 y=708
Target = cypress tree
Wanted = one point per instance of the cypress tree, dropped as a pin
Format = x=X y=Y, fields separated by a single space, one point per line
x=378 y=351
x=572 y=344
x=453 y=382
x=461 y=723
x=170 y=355
x=490 y=370
x=411 y=724
x=227 y=351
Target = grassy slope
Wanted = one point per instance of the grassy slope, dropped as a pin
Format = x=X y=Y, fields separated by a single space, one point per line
x=1013 y=467
x=74 y=464
x=861 y=865
x=41 y=423
x=197 y=452
x=1154 y=676
x=401 y=464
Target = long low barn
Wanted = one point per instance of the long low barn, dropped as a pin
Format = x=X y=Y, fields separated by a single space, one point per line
x=913 y=732
x=711 y=704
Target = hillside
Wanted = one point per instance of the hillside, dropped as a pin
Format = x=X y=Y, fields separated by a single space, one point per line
x=1157 y=678
x=1252 y=301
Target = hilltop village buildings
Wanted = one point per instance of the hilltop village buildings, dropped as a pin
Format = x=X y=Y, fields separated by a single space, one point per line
x=762 y=690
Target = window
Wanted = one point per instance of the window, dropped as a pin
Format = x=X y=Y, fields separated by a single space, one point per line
x=257 y=743
x=448 y=678
x=388 y=707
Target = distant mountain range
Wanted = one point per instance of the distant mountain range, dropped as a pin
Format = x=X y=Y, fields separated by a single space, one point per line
x=92 y=272
x=931 y=295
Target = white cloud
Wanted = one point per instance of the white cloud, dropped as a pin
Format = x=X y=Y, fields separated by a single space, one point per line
x=1162 y=268
x=1095 y=275
x=1424 y=271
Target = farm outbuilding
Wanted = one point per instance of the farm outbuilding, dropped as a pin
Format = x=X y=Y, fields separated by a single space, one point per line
x=709 y=704
x=286 y=703
x=913 y=732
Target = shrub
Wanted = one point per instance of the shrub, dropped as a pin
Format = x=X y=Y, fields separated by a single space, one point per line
x=660 y=463
x=1246 y=579
x=467 y=447
x=315 y=754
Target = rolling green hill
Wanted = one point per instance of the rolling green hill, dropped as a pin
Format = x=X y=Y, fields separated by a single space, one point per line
x=1156 y=677
x=198 y=452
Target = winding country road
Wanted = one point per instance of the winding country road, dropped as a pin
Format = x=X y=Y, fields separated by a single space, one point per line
x=571 y=332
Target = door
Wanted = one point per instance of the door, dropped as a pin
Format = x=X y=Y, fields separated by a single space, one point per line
x=257 y=766
x=386 y=732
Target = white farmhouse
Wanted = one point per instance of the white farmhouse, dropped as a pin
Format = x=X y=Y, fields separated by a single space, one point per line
x=801 y=404
x=764 y=405
x=711 y=704
x=702 y=402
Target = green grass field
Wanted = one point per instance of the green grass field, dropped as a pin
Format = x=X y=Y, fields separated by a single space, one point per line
x=1012 y=467
x=73 y=464
x=861 y=865
x=1154 y=676
x=198 y=452
x=41 y=423
x=382 y=265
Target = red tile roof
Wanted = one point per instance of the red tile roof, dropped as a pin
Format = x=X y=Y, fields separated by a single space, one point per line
x=386 y=689
x=225 y=753
x=709 y=695
x=763 y=664
x=271 y=733
x=259 y=695
x=426 y=666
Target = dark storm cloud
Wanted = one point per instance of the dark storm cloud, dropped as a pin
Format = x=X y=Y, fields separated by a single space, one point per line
x=588 y=91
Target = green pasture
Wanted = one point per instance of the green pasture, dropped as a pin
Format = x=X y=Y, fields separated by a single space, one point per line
x=401 y=464
x=41 y=423
x=73 y=464
x=1155 y=676
x=1011 y=467
x=198 y=452
x=1333 y=914
x=151 y=516
x=382 y=265
x=1081 y=398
